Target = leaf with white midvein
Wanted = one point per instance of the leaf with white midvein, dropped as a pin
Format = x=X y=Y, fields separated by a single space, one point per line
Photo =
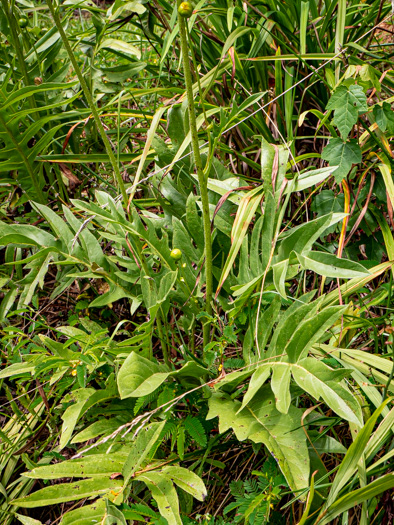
x=311 y=331
x=280 y=384
x=313 y=377
x=261 y=422
x=330 y=265
x=320 y=381
x=164 y=493
x=187 y=481
x=257 y=380
x=139 y=376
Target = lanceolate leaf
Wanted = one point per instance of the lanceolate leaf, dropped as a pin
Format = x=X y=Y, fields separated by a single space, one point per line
x=87 y=515
x=165 y=495
x=310 y=331
x=146 y=440
x=376 y=487
x=69 y=492
x=186 y=480
x=97 y=465
x=330 y=265
x=320 y=381
x=261 y=422
x=245 y=214
x=314 y=377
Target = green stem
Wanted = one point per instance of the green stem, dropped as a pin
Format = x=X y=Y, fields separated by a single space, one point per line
x=90 y=101
x=200 y=173
x=30 y=170
x=162 y=340
x=14 y=26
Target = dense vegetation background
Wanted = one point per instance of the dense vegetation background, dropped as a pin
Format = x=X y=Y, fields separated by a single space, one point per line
x=196 y=238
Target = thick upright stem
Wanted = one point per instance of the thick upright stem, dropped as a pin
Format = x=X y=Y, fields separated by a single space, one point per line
x=90 y=101
x=200 y=173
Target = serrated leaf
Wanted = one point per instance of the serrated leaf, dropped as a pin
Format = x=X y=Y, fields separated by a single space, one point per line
x=347 y=102
x=195 y=429
x=343 y=155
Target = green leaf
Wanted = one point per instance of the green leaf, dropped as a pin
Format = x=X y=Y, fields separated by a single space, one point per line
x=257 y=380
x=119 y=6
x=261 y=422
x=97 y=465
x=279 y=273
x=139 y=376
x=16 y=369
x=280 y=384
x=320 y=381
x=145 y=441
x=347 y=102
x=343 y=155
x=69 y=492
x=25 y=520
x=378 y=486
x=301 y=238
x=165 y=495
x=72 y=413
x=119 y=46
x=349 y=463
x=86 y=515
x=310 y=331
x=186 y=480
x=313 y=377
x=245 y=214
x=330 y=265
x=195 y=429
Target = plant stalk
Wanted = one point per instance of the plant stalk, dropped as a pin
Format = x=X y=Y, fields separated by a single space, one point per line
x=90 y=101
x=202 y=182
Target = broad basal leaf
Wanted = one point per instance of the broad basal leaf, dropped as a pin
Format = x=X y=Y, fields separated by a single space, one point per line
x=261 y=422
